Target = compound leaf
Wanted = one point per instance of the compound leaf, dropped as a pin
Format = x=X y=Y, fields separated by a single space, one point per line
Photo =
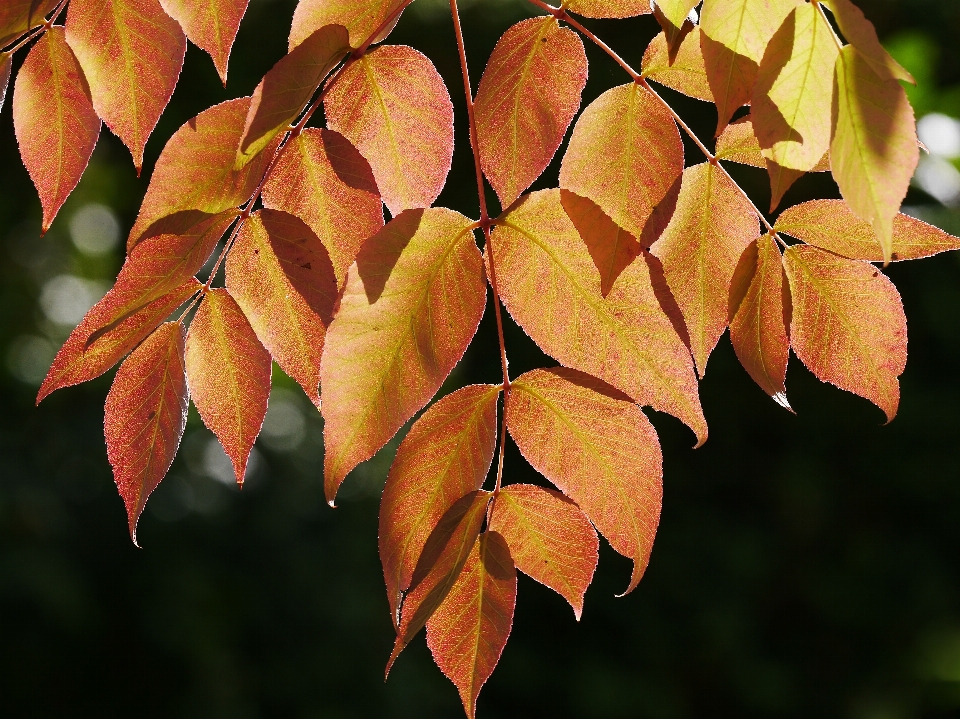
x=211 y=25
x=361 y=19
x=861 y=33
x=609 y=8
x=686 y=73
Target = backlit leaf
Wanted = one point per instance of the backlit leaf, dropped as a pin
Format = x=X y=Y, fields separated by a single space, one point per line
x=280 y=274
x=287 y=88
x=848 y=324
x=322 y=179
x=392 y=104
x=144 y=417
x=410 y=307
x=738 y=143
x=831 y=225
x=552 y=288
x=528 y=96
x=598 y=448
x=445 y=456
x=710 y=229
x=361 y=17
x=6 y=64
x=676 y=11
x=874 y=148
x=550 y=539
x=131 y=52
x=469 y=630
x=211 y=25
x=228 y=372
x=626 y=155
x=687 y=73
x=56 y=125
x=609 y=8
x=861 y=33
x=20 y=16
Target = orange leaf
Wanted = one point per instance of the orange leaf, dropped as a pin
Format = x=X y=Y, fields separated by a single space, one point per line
x=287 y=88
x=759 y=327
x=598 y=448
x=712 y=226
x=211 y=25
x=54 y=119
x=445 y=456
x=228 y=372
x=626 y=155
x=392 y=104
x=550 y=284
x=468 y=632
x=361 y=18
x=848 y=324
x=831 y=225
x=280 y=274
x=20 y=16
x=131 y=52
x=528 y=96
x=144 y=417
x=322 y=179
x=550 y=539
x=861 y=33
x=410 y=307
x=737 y=143
x=609 y=8
x=686 y=74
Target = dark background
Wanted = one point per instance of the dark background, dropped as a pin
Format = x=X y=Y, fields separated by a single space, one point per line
x=806 y=566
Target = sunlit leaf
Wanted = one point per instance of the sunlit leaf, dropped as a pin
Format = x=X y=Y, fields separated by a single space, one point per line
x=676 y=11
x=686 y=74
x=609 y=8
x=861 y=33
x=528 y=96
x=20 y=16
x=738 y=143
x=211 y=25
x=361 y=18
x=6 y=64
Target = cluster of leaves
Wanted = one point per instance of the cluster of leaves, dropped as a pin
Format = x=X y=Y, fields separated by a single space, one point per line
x=627 y=274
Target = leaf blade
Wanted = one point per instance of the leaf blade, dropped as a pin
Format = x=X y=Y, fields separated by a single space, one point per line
x=360 y=18
x=211 y=25
x=861 y=33
x=687 y=73
x=609 y=8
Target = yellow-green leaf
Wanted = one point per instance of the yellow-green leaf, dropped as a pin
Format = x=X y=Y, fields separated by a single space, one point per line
x=686 y=74
x=861 y=33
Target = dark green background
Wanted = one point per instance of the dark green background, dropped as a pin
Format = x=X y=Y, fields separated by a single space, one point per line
x=806 y=566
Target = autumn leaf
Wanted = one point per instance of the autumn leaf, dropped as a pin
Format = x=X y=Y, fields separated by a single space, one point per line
x=211 y=25
x=860 y=33
x=392 y=104
x=144 y=417
x=6 y=63
x=131 y=52
x=550 y=539
x=445 y=456
x=228 y=372
x=410 y=307
x=20 y=16
x=710 y=229
x=831 y=225
x=53 y=116
x=848 y=325
x=528 y=96
x=598 y=448
x=360 y=18
x=550 y=284
x=469 y=630
x=608 y=8
x=287 y=88
x=676 y=11
x=322 y=179
x=687 y=73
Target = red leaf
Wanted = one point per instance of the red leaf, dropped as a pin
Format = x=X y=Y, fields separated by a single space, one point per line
x=54 y=119
x=322 y=179
x=392 y=104
x=598 y=448
x=228 y=371
x=550 y=539
x=609 y=8
x=468 y=632
x=445 y=456
x=131 y=52
x=211 y=25
x=529 y=94
x=361 y=18
x=144 y=417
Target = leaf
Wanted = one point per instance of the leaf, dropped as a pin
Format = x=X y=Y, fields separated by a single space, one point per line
x=550 y=539
x=626 y=155
x=280 y=274
x=54 y=119
x=733 y=37
x=228 y=372
x=211 y=25
x=410 y=307
x=609 y=8
x=392 y=104
x=144 y=417
x=687 y=73
x=848 y=325
x=874 y=148
x=322 y=179
x=20 y=16
x=831 y=225
x=550 y=285
x=445 y=456
x=82 y=358
x=598 y=448
x=195 y=170
x=287 y=88
x=676 y=11
x=758 y=330
x=738 y=143
x=6 y=63
x=860 y=33
x=710 y=229
x=362 y=19
x=468 y=632
x=131 y=52
x=528 y=96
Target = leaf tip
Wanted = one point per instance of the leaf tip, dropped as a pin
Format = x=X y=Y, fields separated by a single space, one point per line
x=781 y=399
